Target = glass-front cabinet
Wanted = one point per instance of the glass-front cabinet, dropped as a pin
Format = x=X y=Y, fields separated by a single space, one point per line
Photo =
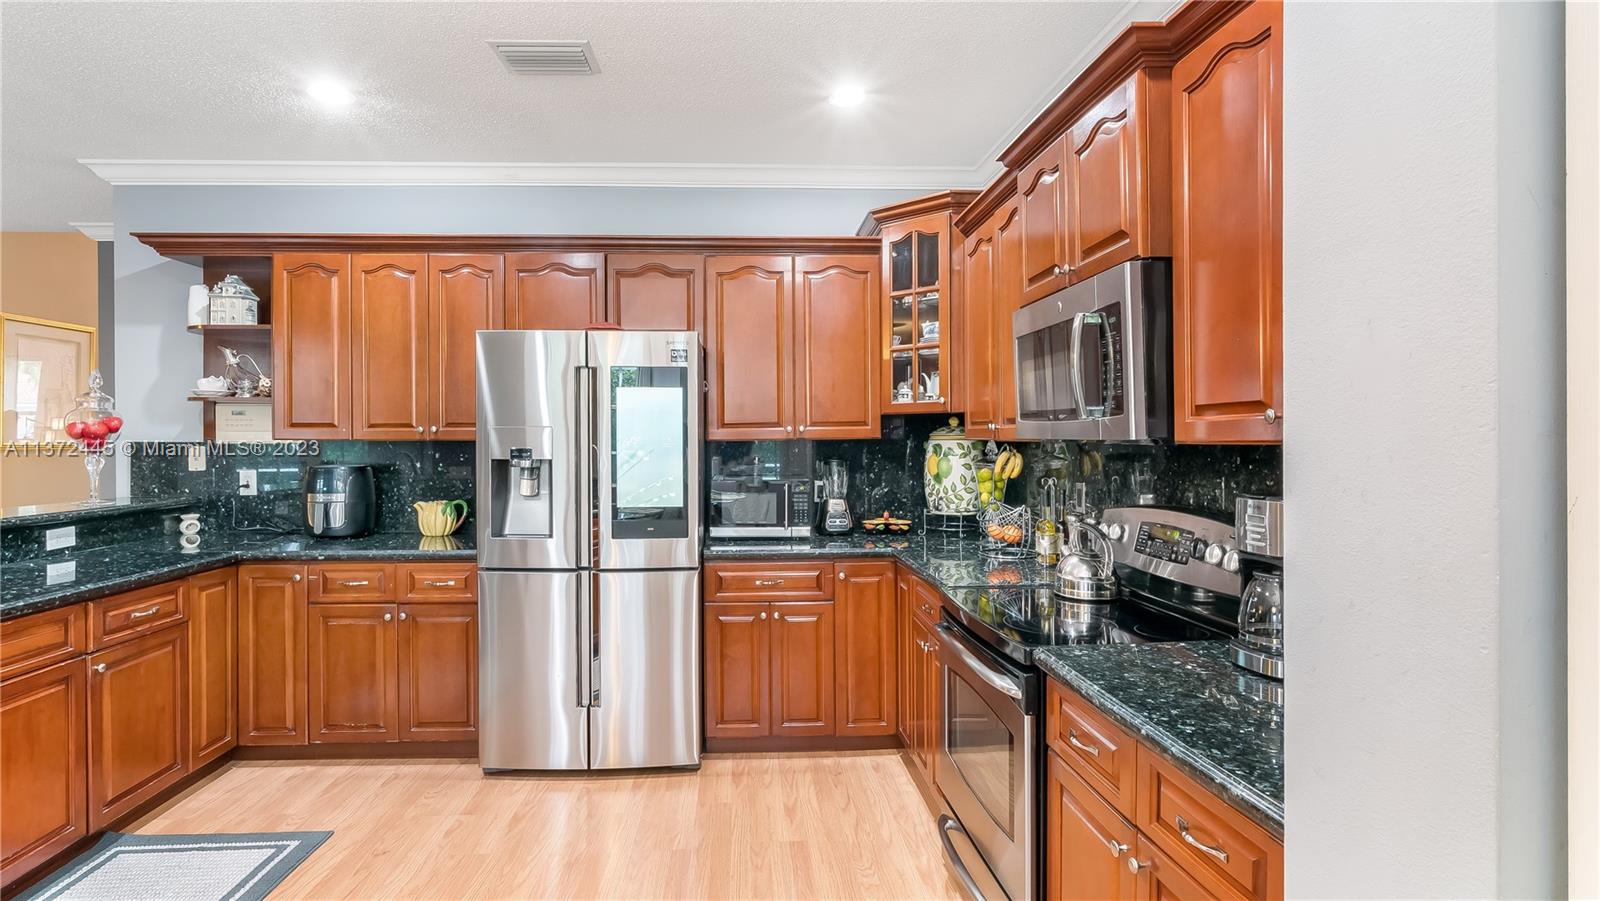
x=917 y=303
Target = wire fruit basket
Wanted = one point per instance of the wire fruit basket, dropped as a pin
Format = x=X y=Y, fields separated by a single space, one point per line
x=1007 y=532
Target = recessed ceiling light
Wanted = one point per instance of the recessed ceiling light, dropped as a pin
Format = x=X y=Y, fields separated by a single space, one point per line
x=329 y=92
x=847 y=95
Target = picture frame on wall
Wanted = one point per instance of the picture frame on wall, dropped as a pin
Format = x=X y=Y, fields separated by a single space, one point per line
x=47 y=365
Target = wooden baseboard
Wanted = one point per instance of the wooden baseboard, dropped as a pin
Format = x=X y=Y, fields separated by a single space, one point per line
x=398 y=750
x=806 y=743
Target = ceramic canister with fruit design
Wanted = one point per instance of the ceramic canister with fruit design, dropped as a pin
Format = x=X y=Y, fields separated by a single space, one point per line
x=950 y=470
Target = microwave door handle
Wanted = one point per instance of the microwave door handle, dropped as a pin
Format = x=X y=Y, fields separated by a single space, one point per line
x=1075 y=365
x=1106 y=359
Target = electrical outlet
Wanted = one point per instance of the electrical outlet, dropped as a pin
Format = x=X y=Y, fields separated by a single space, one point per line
x=247 y=483
x=197 y=458
x=56 y=539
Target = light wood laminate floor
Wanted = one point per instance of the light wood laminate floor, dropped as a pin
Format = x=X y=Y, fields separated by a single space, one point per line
x=745 y=826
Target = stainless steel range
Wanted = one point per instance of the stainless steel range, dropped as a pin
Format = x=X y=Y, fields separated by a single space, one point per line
x=988 y=763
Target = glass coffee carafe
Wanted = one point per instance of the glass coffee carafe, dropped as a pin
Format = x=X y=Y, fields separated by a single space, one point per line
x=1259 y=646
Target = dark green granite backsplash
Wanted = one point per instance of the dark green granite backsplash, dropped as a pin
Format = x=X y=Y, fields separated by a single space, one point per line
x=406 y=472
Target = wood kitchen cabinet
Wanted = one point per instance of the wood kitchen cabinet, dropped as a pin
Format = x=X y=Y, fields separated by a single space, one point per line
x=1042 y=199
x=44 y=763
x=1085 y=839
x=803 y=691
x=906 y=652
x=353 y=677
x=750 y=347
x=438 y=671
x=466 y=293
x=991 y=275
x=138 y=722
x=865 y=648
x=1227 y=294
x=835 y=342
x=555 y=290
x=389 y=347
x=213 y=665
x=919 y=297
x=311 y=339
x=919 y=673
x=272 y=654
x=738 y=669
x=1119 y=176
x=655 y=291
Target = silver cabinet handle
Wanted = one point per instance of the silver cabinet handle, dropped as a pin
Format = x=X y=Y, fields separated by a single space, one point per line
x=402 y=615
x=767 y=583
x=295 y=577
x=777 y=614
x=763 y=614
x=354 y=583
x=419 y=430
x=1072 y=739
x=433 y=428
x=1116 y=847
x=841 y=577
x=388 y=616
x=99 y=667
x=1134 y=865
x=1183 y=830
x=1270 y=416
x=141 y=614
x=448 y=583
x=788 y=428
x=802 y=430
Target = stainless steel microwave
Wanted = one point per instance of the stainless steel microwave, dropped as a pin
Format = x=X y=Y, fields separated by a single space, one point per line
x=1094 y=360
x=746 y=507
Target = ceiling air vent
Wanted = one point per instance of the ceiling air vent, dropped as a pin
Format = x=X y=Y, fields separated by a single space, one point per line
x=546 y=57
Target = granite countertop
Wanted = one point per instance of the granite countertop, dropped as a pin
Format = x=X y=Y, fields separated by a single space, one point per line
x=29 y=588
x=37 y=515
x=949 y=563
x=1188 y=699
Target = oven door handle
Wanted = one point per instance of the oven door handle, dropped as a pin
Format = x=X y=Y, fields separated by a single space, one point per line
x=980 y=669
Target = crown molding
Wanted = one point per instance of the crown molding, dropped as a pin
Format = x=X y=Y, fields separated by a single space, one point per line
x=677 y=175
x=198 y=245
x=95 y=231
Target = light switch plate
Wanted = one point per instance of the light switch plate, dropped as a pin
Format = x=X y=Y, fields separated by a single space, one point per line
x=56 y=539
x=56 y=573
x=197 y=458
x=247 y=483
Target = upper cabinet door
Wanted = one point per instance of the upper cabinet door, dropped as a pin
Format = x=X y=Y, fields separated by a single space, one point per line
x=978 y=339
x=1042 y=195
x=555 y=290
x=1112 y=179
x=1227 y=303
x=466 y=292
x=919 y=281
x=311 y=345
x=389 y=359
x=655 y=291
x=1006 y=300
x=836 y=343
x=749 y=347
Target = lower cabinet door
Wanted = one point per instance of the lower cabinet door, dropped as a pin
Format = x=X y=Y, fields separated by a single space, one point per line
x=738 y=669
x=1161 y=879
x=213 y=666
x=438 y=672
x=44 y=761
x=272 y=654
x=353 y=678
x=802 y=669
x=864 y=602
x=906 y=658
x=1086 y=840
x=138 y=722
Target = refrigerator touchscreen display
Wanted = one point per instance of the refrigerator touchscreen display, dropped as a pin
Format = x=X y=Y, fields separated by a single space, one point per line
x=649 y=461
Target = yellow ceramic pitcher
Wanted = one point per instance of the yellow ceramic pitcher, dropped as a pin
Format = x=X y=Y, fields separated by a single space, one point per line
x=438 y=518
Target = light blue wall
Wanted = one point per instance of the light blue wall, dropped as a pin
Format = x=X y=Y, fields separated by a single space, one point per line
x=157 y=361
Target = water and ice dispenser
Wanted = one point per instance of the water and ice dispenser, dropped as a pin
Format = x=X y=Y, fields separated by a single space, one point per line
x=520 y=470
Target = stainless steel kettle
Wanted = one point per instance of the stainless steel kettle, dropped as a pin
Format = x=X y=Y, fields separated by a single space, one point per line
x=1085 y=572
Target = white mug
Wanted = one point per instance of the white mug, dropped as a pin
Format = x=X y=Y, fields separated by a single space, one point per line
x=199 y=305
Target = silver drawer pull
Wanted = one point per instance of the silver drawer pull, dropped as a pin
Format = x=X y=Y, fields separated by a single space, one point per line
x=448 y=583
x=1183 y=830
x=767 y=583
x=141 y=614
x=353 y=583
x=99 y=667
x=388 y=616
x=1072 y=739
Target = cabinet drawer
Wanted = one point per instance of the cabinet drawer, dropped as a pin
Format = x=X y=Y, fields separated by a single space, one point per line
x=798 y=581
x=1097 y=749
x=1216 y=844
x=124 y=616
x=925 y=602
x=34 y=642
x=438 y=582
x=352 y=582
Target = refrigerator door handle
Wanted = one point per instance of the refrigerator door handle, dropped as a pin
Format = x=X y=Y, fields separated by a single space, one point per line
x=584 y=487
x=594 y=662
x=585 y=636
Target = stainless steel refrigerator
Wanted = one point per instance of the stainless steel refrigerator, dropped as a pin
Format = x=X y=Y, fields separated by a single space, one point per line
x=588 y=475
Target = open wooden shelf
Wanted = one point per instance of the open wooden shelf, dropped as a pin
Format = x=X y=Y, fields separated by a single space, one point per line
x=231 y=400
x=223 y=328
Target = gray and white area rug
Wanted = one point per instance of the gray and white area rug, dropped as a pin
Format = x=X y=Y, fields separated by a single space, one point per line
x=123 y=867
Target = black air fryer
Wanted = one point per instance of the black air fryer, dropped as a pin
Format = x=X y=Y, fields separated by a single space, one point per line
x=341 y=501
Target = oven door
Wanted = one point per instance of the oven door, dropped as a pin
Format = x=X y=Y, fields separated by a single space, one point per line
x=985 y=767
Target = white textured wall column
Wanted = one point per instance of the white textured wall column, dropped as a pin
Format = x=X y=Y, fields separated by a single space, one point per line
x=1424 y=452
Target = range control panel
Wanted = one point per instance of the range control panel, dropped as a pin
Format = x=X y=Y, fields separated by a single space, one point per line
x=1175 y=544
x=1168 y=543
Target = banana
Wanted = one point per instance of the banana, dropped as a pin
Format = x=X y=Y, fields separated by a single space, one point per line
x=1016 y=465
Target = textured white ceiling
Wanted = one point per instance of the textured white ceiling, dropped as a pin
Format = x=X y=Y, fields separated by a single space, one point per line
x=732 y=92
